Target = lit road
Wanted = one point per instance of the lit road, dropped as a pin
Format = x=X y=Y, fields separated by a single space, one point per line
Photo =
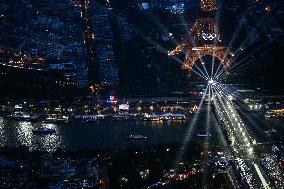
x=242 y=133
x=263 y=181
x=258 y=127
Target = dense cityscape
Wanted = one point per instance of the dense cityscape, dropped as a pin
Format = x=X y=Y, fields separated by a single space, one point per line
x=141 y=94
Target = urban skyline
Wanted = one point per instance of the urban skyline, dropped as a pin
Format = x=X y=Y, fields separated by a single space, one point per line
x=141 y=94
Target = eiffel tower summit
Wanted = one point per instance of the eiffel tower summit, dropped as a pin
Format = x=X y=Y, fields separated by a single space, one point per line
x=204 y=39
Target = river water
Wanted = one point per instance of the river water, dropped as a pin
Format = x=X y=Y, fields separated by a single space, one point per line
x=111 y=134
x=105 y=134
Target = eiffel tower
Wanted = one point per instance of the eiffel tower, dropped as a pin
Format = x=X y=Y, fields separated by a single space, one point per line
x=205 y=40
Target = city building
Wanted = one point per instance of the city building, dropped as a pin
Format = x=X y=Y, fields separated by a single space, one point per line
x=103 y=35
x=46 y=33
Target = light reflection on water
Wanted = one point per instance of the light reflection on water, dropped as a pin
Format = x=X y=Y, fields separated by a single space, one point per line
x=104 y=134
x=24 y=133
x=20 y=133
x=3 y=139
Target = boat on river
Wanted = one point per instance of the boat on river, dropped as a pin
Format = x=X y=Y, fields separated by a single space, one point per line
x=21 y=116
x=43 y=130
x=137 y=137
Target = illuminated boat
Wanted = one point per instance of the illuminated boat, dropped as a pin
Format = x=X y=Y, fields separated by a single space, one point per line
x=168 y=116
x=57 y=118
x=89 y=118
x=137 y=137
x=204 y=135
x=43 y=130
x=278 y=113
x=20 y=116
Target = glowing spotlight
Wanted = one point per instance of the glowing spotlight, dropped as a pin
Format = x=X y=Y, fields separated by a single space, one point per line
x=211 y=82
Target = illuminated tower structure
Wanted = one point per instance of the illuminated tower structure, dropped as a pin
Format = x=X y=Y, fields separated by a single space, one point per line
x=205 y=39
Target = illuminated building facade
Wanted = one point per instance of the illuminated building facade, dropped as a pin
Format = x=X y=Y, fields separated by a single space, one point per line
x=208 y=5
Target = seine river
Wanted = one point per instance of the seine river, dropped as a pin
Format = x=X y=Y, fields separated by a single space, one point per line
x=107 y=134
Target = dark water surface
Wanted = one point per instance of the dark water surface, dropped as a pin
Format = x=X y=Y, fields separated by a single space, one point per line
x=105 y=134
x=111 y=134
